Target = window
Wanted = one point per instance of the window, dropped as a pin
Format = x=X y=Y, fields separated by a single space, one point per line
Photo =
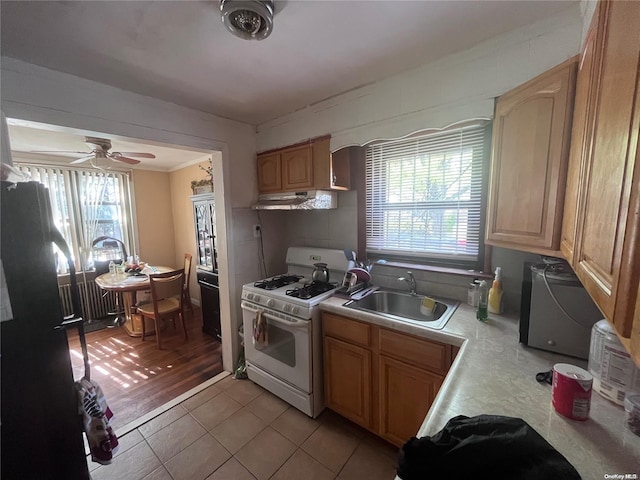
x=425 y=195
x=86 y=204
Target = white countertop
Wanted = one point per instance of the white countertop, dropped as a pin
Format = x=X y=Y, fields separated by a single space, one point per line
x=495 y=374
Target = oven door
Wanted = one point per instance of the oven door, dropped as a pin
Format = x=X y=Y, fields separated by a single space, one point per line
x=287 y=352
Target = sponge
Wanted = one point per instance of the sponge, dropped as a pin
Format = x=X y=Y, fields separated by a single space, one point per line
x=428 y=306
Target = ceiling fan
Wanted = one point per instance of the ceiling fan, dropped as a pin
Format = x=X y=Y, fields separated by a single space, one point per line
x=100 y=150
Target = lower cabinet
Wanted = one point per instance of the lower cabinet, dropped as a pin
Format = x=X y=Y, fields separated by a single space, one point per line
x=406 y=393
x=381 y=379
x=349 y=391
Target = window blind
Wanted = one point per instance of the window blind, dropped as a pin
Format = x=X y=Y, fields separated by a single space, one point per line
x=424 y=195
x=86 y=204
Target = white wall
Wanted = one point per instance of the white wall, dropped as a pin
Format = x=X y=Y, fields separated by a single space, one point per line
x=41 y=95
x=458 y=87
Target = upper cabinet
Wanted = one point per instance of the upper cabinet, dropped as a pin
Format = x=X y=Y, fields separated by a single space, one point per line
x=530 y=151
x=604 y=194
x=579 y=140
x=303 y=167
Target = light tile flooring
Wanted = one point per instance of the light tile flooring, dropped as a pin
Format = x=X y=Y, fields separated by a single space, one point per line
x=236 y=430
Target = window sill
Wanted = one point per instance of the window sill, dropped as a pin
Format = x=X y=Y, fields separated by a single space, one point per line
x=432 y=268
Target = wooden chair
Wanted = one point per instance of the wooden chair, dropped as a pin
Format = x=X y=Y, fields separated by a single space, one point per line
x=166 y=301
x=187 y=277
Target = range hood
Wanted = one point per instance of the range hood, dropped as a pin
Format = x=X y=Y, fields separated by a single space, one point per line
x=308 y=200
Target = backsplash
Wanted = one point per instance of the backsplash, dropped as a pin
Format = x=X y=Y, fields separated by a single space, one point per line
x=456 y=286
x=427 y=283
x=336 y=228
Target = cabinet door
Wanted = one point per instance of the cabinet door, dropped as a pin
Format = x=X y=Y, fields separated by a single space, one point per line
x=269 y=173
x=406 y=394
x=347 y=380
x=297 y=168
x=607 y=240
x=579 y=140
x=531 y=137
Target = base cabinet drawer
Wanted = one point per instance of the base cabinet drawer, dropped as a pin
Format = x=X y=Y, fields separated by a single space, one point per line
x=416 y=351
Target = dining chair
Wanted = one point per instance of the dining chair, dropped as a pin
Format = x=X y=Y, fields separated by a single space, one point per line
x=166 y=302
x=187 y=277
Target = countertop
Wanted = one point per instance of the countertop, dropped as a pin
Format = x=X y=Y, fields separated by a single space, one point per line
x=494 y=374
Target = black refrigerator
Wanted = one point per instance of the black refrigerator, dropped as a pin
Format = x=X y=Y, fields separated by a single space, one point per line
x=40 y=426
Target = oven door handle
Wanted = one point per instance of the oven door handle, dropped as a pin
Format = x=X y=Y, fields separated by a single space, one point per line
x=297 y=324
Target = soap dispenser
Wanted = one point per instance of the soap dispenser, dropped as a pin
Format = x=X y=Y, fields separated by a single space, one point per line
x=495 y=293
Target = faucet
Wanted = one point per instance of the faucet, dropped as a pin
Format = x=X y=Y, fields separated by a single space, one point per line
x=411 y=281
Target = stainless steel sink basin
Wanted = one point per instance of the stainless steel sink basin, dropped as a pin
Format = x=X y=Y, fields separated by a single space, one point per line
x=405 y=307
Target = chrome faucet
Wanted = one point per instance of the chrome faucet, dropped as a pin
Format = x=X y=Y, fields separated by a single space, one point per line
x=411 y=281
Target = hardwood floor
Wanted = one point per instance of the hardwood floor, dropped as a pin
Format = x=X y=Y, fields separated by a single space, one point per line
x=136 y=377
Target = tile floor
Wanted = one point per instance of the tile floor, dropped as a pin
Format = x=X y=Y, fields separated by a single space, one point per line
x=236 y=430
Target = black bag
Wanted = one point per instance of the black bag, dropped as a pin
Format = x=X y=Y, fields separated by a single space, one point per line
x=490 y=446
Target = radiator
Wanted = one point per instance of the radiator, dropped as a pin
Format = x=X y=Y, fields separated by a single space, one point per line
x=95 y=304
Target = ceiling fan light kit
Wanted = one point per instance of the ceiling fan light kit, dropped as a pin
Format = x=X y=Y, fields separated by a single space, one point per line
x=248 y=19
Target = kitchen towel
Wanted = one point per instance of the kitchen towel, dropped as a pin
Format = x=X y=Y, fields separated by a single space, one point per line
x=260 y=331
x=491 y=446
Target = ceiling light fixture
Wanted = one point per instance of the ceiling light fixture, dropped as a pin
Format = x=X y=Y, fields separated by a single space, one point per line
x=248 y=19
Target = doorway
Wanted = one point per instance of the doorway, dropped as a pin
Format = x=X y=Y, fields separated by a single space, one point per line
x=136 y=377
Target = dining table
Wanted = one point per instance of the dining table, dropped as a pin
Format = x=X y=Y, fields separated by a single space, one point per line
x=129 y=286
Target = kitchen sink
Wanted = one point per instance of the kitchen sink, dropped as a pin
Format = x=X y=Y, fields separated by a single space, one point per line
x=405 y=307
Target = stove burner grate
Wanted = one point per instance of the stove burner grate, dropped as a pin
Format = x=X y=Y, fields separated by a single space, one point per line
x=277 y=281
x=310 y=290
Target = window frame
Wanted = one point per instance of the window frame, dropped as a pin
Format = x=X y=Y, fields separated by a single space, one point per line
x=423 y=262
x=74 y=217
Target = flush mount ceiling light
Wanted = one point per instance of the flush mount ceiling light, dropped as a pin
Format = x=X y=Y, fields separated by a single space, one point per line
x=248 y=19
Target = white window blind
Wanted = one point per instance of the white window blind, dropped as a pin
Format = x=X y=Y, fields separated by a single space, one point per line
x=424 y=195
x=86 y=204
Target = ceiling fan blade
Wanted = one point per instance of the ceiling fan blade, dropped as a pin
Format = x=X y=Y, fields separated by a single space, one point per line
x=83 y=159
x=123 y=159
x=134 y=154
x=59 y=151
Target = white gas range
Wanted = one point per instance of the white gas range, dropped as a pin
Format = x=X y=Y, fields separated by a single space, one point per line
x=282 y=331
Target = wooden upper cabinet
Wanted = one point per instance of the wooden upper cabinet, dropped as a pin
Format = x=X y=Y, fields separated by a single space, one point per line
x=606 y=256
x=297 y=168
x=579 y=139
x=269 y=173
x=530 y=150
x=307 y=166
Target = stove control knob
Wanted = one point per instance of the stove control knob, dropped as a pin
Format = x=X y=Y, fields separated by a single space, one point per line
x=287 y=308
x=294 y=310
x=271 y=302
x=249 y=296
x=256 y=298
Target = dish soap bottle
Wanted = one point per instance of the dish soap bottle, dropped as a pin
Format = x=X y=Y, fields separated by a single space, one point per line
x=481 y=312
x=495 y=293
